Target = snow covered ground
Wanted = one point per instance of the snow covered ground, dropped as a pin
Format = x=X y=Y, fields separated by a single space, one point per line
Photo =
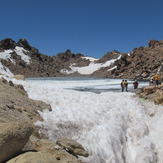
x=112 y=126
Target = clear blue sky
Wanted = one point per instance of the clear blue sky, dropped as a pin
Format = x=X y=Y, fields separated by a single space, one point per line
x=90 y=27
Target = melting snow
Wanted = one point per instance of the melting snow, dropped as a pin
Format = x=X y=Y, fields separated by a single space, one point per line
x=111 y=125
x=5 y=71
x=21 y=52
x=7 y=55
x=90 y=58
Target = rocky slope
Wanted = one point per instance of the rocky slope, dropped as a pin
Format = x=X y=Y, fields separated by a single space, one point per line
x=39 y=65
x=20 y=140
x=142 y=62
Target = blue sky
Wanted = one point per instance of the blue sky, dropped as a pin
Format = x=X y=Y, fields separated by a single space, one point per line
x=90 y=27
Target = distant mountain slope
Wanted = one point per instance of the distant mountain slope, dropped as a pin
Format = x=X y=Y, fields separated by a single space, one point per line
x=21 y=58
x=142 y=62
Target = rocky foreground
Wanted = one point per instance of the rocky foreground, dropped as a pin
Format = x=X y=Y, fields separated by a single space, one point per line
x=20 y=141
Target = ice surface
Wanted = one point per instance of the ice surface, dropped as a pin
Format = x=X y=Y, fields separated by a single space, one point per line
x=114 y=127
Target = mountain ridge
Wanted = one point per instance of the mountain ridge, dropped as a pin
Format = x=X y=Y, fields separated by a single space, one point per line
x=141 y=63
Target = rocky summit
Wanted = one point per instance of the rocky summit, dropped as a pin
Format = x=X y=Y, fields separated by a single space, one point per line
x=22 y=58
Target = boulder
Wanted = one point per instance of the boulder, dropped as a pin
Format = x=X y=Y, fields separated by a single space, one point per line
x=72 y=146
x=153 y=43
x=19 y=77
x=149 y=90
x=3 y=80
x=47 y=146
x=158 y=98
x=34 y=157
x=13 y=137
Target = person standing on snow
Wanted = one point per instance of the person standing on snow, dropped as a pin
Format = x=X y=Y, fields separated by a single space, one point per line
x=135 y=84
x=126 y=85
x=123 y=85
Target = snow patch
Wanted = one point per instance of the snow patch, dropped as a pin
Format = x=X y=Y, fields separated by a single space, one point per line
x=90 y=58
x=92 y=67
x=20 y=51
x=5 y=71
x=7 y=55
x=112 y=68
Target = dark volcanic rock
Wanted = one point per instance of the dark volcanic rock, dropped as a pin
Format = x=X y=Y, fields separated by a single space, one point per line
x=24 y=43
x=7 y=44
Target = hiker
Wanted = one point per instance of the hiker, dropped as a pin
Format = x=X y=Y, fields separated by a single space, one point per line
x=135 y=84
x=123 y=85
x=155 y=79
x=126 y=85
x=151 y=83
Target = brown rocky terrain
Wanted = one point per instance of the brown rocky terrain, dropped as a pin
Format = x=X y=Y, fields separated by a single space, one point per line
x=20 y=140
x=151 y=93
x=41 y=65
x=141 y=63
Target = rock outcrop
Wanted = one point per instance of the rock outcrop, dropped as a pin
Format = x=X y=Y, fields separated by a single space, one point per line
x=141 y=63
x=34 y=157
x=72 y=146
x=151 y=93
x=7 y=44
x=15 y=104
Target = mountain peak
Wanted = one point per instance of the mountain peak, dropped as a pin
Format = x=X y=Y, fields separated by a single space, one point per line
x=24 y=43
x=7 y=43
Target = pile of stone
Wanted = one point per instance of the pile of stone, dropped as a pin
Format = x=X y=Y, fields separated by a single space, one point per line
x=151 y=93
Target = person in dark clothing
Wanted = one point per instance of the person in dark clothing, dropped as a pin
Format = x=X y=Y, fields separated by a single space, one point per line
x=135 y=84
x=126 y=85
